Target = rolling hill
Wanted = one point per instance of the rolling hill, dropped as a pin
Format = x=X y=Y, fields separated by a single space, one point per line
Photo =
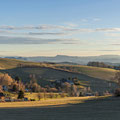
x=96 y=72
x=97 y=78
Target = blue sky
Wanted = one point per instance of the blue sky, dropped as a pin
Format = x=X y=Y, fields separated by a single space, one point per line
x=59 y=27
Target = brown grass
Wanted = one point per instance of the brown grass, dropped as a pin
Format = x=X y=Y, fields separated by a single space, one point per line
x=56 y=102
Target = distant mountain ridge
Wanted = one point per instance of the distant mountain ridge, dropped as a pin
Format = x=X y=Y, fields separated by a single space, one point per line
x=110 y=59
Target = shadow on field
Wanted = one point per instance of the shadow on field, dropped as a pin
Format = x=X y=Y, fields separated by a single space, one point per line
x=102 y=109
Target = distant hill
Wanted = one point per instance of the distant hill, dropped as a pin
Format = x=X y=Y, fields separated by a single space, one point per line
x=110 y=59
x=6 y=63
x=104 y=73
x=97 y=78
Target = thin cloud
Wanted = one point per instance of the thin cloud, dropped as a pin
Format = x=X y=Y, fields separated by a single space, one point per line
x=62 y=30
x=32 y=40
x=39 y=27
x=107 y=29
x=108 y=50
x=116 y=44
x=113 y=34
x=84 y=20
x=47 y=33
x=96 y=19
x=89 y=20
x=71 y=24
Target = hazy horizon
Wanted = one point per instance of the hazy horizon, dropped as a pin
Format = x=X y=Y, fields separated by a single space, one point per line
x=59 y=55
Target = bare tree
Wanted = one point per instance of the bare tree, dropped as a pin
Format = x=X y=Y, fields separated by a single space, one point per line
x=117 y=77
x=40 y=96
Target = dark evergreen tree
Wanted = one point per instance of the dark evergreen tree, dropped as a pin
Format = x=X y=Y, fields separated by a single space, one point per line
x=17 y=78
x=20 y=95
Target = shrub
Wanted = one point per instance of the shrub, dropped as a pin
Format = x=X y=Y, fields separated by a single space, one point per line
x=32 y=99
x=45 y=95
x=40 y=96
x=51 y=95
x=96 y=94
x=20 y=95
x=117 y=92
x=56 y=95
x=53 y=90
x=62 y=95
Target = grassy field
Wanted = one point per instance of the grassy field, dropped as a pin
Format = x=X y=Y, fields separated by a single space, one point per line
x=35 y=96
x=99 y=109
x=48 y=102
x=96 y=72
x=101 y=73
x=6 y=63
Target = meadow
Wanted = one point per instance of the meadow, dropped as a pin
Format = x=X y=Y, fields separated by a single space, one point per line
x=97 y=109
x=96 y=72
x=47 y=102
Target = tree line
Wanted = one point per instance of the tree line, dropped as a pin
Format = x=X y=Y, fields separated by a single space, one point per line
x=102 y=65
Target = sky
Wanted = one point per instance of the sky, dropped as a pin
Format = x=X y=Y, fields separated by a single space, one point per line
x=59 y=27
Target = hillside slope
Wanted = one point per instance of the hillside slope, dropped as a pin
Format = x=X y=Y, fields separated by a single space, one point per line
x=96 y=72
x=96 y=78
x=45 y=75
x=6 y=63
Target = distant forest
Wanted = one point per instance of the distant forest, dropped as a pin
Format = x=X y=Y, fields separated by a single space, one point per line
x=103 y=65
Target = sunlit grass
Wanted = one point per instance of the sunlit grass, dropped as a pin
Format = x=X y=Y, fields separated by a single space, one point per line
x=96 y=72
x=49 y=102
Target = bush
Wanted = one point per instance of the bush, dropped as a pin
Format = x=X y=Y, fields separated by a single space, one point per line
x=53 y=90
x=81 y=94
x=62 y=95
x=117 y=92
x=45 y=95
x=40 y=96
x=51 y=95
x=20 y=95
x=56 y=95
x=32 y=99
x=96 y=93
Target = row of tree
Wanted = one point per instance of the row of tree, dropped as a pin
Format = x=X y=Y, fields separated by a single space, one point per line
x=103 y=65
x=100 y=64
